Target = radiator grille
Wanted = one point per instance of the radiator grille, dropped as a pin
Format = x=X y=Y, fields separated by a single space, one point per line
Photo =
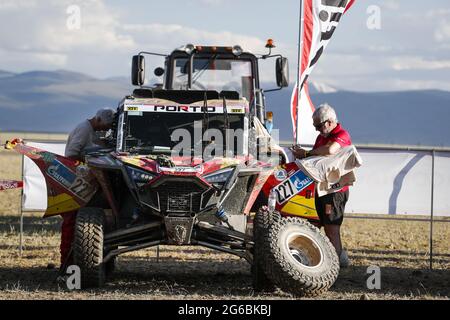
x=179 y=197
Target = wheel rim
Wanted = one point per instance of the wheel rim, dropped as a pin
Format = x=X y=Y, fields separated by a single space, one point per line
x=304 y=250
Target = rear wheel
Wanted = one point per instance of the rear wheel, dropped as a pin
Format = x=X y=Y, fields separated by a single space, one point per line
x=88 y=246
x=300 y=259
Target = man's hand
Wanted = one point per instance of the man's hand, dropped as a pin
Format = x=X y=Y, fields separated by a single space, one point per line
x=299 y=152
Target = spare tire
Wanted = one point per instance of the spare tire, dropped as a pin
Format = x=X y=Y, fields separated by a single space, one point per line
x=88 y=246
x=299 y=259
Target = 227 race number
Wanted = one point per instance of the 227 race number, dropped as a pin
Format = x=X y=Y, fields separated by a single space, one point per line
x=284 y=191
x=291 y=186
x=82 y=189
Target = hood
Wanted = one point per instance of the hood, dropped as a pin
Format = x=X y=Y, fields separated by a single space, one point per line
x=179 y=165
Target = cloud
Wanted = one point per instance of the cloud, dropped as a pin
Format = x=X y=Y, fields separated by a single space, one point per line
x=42 y=38
x=163 y=38
x=416 y=84
x=418 y=63
x=41 y=30
x=11 y=5
x=437 y=13
x=380 y=49
x=442 y=32
x=168 y=36
x=211 y=2
x=391 y=5
x=24 y=61
x=35 y=36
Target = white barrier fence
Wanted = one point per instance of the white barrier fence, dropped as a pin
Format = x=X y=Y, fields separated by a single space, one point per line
x=391 y=181
x=399 y=182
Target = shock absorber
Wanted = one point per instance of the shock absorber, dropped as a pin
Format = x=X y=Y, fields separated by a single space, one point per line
x=222 y=216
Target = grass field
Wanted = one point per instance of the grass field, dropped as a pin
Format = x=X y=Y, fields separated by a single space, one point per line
x=399 y=248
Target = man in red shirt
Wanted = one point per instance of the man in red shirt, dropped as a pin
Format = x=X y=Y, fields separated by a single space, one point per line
x=330 y=208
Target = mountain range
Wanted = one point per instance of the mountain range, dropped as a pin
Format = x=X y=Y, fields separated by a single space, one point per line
x=55 y=101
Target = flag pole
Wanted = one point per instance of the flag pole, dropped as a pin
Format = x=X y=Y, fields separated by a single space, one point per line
x=300 y=46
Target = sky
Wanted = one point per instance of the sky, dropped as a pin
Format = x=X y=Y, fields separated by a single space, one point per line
x=378 y=46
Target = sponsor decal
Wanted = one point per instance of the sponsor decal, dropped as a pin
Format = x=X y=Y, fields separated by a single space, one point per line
x=8 y=184
x=181 y=169
x=300 y=180
x=183 y=108
x=47 y=156
x=280 y=174
x=292 y=186
x=69 y=180
x=336 y=186
x=61 y=174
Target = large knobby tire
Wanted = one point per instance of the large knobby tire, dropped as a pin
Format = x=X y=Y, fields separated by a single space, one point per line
x=299 y=258
x=261 y=283
x=88 y=247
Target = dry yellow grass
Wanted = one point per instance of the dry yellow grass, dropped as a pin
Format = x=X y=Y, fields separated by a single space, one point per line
x=399 y=248
x=198 y=273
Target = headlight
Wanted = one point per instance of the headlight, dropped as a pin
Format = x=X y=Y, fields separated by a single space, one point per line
x=219 y=177
x=140 y=177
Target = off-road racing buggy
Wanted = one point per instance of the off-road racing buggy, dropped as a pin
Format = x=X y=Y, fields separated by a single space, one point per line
x=188 y=164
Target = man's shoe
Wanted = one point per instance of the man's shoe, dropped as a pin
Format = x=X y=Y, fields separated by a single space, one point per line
x=344 y=261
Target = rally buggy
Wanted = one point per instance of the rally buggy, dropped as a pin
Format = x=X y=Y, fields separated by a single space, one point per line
x=190 y=163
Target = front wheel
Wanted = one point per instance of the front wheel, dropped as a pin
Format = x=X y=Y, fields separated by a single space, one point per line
x=299 y=258
x=261 y=223
x=88 y=246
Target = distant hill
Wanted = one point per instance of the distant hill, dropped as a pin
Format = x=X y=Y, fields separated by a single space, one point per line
x=55 y=101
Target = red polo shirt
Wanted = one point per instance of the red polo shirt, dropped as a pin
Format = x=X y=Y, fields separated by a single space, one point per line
x=338 y=135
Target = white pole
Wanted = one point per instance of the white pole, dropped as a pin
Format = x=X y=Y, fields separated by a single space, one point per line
x=300 y=47
x=432 y=209
x=21 y=213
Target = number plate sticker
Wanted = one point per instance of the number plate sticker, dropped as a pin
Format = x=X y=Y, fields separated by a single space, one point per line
x=70 y=181
x=291 y=186
x=83 y=189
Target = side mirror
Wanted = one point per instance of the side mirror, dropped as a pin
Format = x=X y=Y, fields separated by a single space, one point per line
x=138 y=70
x=282 y=72
x=159 y=72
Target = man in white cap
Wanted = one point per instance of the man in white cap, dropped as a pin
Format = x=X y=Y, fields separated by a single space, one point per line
x=80 y=138
x=330 y=208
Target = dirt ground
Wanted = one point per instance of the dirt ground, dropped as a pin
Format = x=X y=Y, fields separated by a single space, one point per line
x=399 y=248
